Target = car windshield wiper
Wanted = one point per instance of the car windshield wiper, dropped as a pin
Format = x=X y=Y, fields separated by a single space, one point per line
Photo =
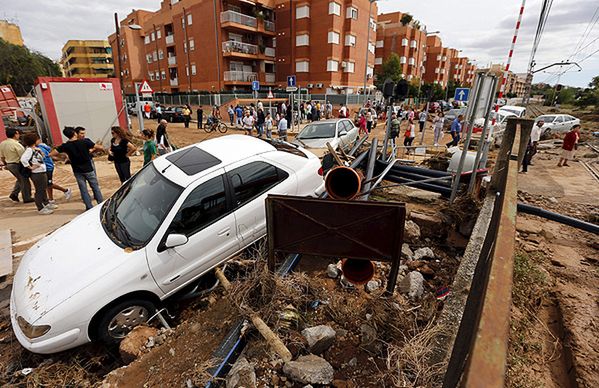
x=122 y=230
x=298 y=139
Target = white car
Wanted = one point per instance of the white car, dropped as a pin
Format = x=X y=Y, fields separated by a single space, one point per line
x=517 y=110
x=107 y=270
x=340 y=133
x=555 y=124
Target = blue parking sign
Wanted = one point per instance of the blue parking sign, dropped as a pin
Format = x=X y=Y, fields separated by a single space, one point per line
x=291 y=81
x=255 y=86
x=461 y=94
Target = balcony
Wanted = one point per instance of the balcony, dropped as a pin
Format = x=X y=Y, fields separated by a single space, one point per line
x=238 y=18
x=174 y=81
x=170 y=39
x=269 y=52
x=233 y=47
x=240 y=76
x=172 y=61
x=269 y=26
x=270 y=78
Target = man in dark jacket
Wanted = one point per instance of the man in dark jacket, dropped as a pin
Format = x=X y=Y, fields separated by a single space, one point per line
x=200 y=118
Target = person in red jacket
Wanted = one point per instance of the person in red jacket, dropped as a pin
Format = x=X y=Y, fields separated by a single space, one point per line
x=569 y=146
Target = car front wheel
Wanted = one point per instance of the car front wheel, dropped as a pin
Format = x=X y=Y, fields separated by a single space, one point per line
x=121 y=318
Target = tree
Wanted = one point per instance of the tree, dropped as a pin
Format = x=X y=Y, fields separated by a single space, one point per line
x=391 y=69
x=433 y=92
x=406 y=18
x=590 y=96
x=19 y=67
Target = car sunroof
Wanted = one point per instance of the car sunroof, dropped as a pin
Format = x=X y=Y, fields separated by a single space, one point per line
x=193 y=160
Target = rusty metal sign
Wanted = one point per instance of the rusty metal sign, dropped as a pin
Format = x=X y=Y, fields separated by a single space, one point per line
x=339 y=229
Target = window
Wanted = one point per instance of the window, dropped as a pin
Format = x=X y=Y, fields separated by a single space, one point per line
x=187 y=70
x=334 y=8
x=351 y=13
x=302 y=66
x=154 y=56
x=149 y=58
x=193 y=69
x=151 y=76
x=160 y=54
x=371 y=47
x=302 y=12
x=158 y=34
x=163 y=74
x=413 y=44
x=350 y=40
x=404 y=42
x=204 y=205
x=411 y=61
x=369 y=72
x=254 y=179
x=153 y=35
x=402 y=60
x=192 y=45
x=438 y=57
x=350 y=67
x=437 y=70
x=185 y=47
x=157 y=75
x=380 y=43
x=378 y=61
x=372 y=24
x=334 y=37
x=302 y=40
x=332 y=65
x=189 y=20
x=147 y=39
x=444 y=58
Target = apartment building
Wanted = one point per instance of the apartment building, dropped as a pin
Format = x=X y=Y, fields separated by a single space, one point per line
x=329 y=45
x=87 y=59
x=407 y=40
x=515 y=84
x=437 y=65
x=11 y=33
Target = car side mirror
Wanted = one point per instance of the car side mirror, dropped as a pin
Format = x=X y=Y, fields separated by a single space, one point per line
x=175 y=240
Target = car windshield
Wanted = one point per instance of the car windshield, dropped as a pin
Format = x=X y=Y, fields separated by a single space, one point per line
x=318 y=131
x=134 y=213
x=547 y=119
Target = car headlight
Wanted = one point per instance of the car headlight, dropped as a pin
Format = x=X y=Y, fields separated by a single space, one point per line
x=32 y=331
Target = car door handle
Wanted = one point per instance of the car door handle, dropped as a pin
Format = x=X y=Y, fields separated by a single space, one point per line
x=225 y=232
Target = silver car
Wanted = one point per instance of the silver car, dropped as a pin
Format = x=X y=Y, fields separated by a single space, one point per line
x=555 y=124
x=338 y=132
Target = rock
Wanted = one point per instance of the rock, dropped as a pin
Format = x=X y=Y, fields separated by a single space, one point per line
x=528 y=227
x=430 y=225
x=151 y=342
x=553 y=200
x=353 y=362
x=422 y=196
x=367 y=334
x=424 y=253
x=308 y=386
x=309 y=369
x=242 y=374
x=341 y=333
x=372 y=285
x=413 y=285
x=406 y=252
x=411 y=232
x=274 y=379
x=131 y=346
x=332 y=271
x=319 y=338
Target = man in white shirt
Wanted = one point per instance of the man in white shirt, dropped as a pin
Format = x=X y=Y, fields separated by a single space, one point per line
x=342 y=111
x=531 y=149
x=248 y=123
x=282 y=128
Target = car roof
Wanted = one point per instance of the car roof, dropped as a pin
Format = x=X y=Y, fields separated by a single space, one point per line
x=212 y=154
x=513 y=107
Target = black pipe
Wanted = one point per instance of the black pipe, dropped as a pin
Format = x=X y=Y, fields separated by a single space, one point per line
x=416 y=177
x=444 y=191
x=415 y=170
x=574 y=222
x=358 y=144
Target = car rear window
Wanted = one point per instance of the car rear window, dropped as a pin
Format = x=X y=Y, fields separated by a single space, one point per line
x=193 y=160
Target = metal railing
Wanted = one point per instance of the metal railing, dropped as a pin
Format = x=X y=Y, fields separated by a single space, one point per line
x=269 y=52
x=269 y=26
x=232 y=46
x=236 y=17
x=241 y=76
x=169 y=39
x=172 y=60
x=174 y=82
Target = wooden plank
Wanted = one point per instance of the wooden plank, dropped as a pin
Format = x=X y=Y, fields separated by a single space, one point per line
x=5 y=253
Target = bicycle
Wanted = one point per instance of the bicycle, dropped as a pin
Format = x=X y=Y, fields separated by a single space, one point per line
x=216 y=125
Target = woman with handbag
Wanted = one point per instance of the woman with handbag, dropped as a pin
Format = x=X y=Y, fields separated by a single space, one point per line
x=120 y=150
x=35 y=168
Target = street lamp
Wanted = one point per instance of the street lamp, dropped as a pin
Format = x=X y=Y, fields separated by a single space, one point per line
x=118 y=49
x=423 y=67
x=367 y=49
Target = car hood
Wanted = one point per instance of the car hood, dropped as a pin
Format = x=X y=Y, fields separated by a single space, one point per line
x=62 y=264
x=316 y=143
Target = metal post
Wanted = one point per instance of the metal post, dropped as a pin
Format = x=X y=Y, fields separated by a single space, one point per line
x=456 y=182
x=482 y=142
x=140 y=116
x=388 y=129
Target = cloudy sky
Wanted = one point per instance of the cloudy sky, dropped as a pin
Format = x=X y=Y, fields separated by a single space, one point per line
x=483 y=29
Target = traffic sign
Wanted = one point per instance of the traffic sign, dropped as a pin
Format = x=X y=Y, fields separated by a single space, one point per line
x=291 y=89
x=461 y=94
x=270 y=95
x=291 y=81
x=145 y=88
x=255 y=86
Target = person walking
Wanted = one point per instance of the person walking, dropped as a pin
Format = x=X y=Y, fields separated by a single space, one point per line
x=10 y=154
x=569 y=146
x=200 y=113
x=409 y=135
x=231 y=113
x=147 y=110
x=394 y=133
x=120 y=150
x=186 y=115
x=259 y=105
x=80 y=157
x=158 y=113
x=438 y=123
x=329 y=110
x=282 y=128
x=362 y=125
x=149 y=147
x=260 y=122
x=33 y=160
x=239 y=113
x=531 y=148
x=46 y=149
x=162 y=142
x=268 y=124
x=248 y=123
x=342 y=111
x=456 y=129
x=369 y=120
x=422 y=120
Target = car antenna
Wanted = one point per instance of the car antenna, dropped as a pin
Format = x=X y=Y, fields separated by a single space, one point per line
x=166 y=168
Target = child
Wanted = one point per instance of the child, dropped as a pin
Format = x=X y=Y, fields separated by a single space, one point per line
x=409 y=135
x=149 y=146
x=362 y=124
x=50 y=172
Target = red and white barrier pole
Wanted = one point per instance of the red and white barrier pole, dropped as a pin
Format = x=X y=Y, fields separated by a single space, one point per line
x=507 y=66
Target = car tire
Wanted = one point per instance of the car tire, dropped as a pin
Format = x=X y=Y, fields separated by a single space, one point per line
x=119 y=319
